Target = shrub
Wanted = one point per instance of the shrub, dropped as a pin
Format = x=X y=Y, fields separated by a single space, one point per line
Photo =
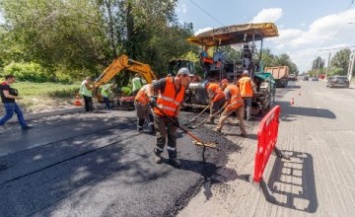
x=27 y=72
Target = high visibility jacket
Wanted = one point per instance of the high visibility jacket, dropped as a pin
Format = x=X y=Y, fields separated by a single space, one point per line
x=141 y=96
x=169 y=101
x=236 y=99
x=84 y=90
x=106 y=90
x=245 y=87
x=217 y=91
x=136 y=84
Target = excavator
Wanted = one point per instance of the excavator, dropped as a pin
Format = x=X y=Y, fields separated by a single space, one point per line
x=117 y=65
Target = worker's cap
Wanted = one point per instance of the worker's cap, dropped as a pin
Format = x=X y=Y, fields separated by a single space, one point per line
x=184 y=71
x=245 y=72
x=224 y=81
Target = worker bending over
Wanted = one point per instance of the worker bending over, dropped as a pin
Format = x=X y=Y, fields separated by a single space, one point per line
x=143 y=109
x=216 y=98
x=171 y=92
x=234 y=103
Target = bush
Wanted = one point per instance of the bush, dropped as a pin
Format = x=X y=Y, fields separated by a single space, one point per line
x=27 y=72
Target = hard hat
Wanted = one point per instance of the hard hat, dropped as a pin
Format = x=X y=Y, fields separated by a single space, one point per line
x=245 y=72
x=153 y=81
x=184 y=71
x=224 y=81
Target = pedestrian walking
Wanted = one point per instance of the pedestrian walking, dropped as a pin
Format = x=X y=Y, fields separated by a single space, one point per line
x=234 y=103
x=9 y=96
x=86 y=91
x=171 y=92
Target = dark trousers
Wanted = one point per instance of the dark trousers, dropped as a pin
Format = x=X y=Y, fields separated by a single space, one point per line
x=88 y=103
x=165 y=130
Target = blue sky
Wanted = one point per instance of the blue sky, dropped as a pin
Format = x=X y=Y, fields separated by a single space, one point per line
x=307 y=28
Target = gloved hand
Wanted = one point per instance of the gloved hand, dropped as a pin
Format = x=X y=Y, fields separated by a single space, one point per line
x=152 y=102
x=177 y=123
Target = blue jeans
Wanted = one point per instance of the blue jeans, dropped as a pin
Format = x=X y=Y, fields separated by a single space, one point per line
x=10 y=108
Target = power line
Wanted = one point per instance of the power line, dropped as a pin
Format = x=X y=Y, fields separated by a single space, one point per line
x=203 y=10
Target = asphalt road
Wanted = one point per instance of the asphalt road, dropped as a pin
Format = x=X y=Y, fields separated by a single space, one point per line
x=97 y=164
x=317 y=131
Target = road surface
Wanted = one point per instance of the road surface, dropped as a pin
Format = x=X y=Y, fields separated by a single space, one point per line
x=96 y=164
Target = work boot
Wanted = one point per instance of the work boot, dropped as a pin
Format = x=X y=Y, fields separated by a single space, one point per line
x=157 y=157
x=140 y=129
x=217 y=130
x=174 y=162
x=27 y=127
x=151 y=128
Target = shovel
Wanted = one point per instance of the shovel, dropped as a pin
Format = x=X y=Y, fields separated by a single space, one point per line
x=197 y=141
x=195 y=118
x=203 y=121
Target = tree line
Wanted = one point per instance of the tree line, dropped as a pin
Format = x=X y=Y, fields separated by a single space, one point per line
x=66 y=40
x=338 y=65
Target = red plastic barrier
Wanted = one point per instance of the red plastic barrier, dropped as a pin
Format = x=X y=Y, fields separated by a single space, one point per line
x=267 y=138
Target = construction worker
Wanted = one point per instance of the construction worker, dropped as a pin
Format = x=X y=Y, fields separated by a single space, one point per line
x=246 y=87
x=216 y=98
x=171 y=92
x=86 y=91
x=8 y=98
x=136 y=84
x=106 y=91
x=143 y=109
x=234 y=103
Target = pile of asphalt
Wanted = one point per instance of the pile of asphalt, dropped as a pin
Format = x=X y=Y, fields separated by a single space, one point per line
x=212 y=159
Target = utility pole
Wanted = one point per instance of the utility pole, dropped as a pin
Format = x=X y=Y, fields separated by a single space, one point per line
x=328 y=65
x=351 y=65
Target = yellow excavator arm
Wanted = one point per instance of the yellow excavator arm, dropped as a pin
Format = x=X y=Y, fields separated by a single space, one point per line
x=123 y=62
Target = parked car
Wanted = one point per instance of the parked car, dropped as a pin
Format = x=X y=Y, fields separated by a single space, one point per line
x=338 y=81
x=314 y=79
x=305 y=78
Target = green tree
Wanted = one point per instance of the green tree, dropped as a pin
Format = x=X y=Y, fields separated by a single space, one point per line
x=341 y=61
x=318 y=63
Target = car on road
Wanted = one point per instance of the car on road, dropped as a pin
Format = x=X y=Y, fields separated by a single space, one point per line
x=305 y=78
x=338 y=81
x=314 y=79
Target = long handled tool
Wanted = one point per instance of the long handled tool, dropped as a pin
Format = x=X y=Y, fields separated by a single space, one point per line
x=206 y=119
x=195 y=118
x=197 y=141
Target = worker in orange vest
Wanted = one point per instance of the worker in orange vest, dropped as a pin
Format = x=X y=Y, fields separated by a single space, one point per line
x=171 y=92
x=246 y=87
x=234 y=103
x=143 y=109
x=216 y=98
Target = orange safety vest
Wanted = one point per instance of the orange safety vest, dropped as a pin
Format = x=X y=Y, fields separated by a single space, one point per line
x=217 y=90
x=236 y=99
x=245 y=86
x=141 y=96
x=168 y=101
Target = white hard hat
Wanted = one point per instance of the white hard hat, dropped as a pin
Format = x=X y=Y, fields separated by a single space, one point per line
x=184 y=71
x=245 y=72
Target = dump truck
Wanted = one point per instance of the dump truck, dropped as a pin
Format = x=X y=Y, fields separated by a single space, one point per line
x=280 y=74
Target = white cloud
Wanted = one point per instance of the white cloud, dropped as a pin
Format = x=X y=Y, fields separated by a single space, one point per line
x=303 y=47
x=268 y=15
x=182 y=8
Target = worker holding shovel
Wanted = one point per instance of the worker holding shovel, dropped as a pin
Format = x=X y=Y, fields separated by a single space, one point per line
x=216 y=97
x=235 y=104
x=171 y=92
